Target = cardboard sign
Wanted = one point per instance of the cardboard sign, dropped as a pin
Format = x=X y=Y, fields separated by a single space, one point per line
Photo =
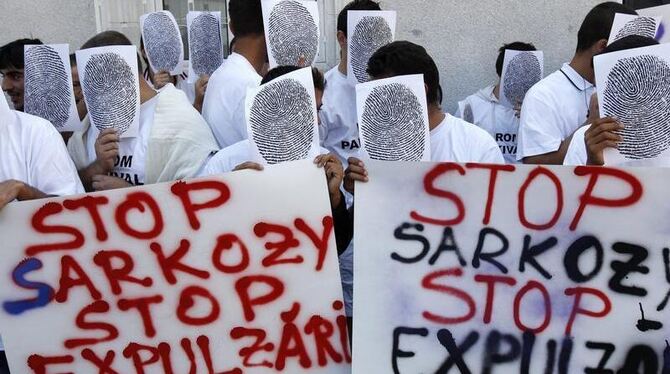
x=203 y=276
x=497 y=268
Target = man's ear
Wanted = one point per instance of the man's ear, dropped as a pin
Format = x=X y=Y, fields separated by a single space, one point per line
x=599 y=47
x=342 y=39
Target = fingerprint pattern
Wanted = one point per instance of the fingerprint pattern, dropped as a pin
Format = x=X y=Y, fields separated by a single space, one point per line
x=282 y=121
x=393 y=124
x=523 y=72
x=292 y=32
x=162 y=41
x=47 y=88
x=638 y=94
x=205 y=37
x=110 y=89
x=642 y=26
x=370 y=34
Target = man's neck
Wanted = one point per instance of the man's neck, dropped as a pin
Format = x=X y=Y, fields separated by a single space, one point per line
x=252 y=48
x=496 y=91
x=435 y=116
x=583 y=65
x=342 y=67
x=146 y=92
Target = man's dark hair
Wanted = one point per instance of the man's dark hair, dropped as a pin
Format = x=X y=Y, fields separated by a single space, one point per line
x=630 y=42
x=515 y=46
x=317 y=75
x=73 y=59
x=11 y=55
x=354 y=5
x=110 y=38
x=406 y=58
x=246 y=17
x=598 y=24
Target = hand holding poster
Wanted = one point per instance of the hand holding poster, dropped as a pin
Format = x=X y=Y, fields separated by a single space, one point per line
x=202 y=276
x=497 y=268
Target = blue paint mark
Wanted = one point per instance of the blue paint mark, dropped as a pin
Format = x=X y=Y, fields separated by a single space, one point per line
x=44 y=292
x=661 y=31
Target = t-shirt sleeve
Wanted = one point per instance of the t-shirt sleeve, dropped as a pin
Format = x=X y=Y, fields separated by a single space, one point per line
x=576 y=155
x=491 y=153
x=539 y=131
x=52 y=170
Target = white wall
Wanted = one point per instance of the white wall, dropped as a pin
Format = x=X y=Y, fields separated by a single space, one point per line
x=53 y=21
x=463 y=36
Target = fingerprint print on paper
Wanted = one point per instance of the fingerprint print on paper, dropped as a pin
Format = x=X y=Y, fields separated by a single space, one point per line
x=642 y=26
x=293 y=33
x=370 y=34
x=110 y=91
x=162 y=42
x=205 y=42
x=393 y=124
x=468 y=115
x=47 y=86
x=638 y=94
x=523 y=72
x=282 y=121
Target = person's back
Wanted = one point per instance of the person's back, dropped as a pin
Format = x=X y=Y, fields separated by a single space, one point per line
x=223 y=107
x=339 y=128
x=558 y=105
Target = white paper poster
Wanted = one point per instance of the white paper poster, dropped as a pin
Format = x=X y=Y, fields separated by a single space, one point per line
x=367 y=32
x=634 y=86
x=511 y=269
x=627 y=24
x=282 y=120
x=162 y=42
x=521 y=71
x=184 y=277
x=109 y=78
x=49 y=92
x=291 y=31
x=205 y=43
x=393 y=119
x=662 y=12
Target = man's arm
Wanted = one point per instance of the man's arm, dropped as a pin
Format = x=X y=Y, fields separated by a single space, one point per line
x=554 y=158
x=16 y=190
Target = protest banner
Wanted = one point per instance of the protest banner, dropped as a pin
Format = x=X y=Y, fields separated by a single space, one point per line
x=230 y=274
x=511 y=269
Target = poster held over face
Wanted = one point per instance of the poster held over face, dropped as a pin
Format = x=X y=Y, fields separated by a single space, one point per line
x=367 y=32
x=634 y=87
x=628 y=24
x=184 y=277
x=393 y=119
x=521 y=71
x=282 y=119
x=205 y=43
x=49 y=92
x=110 y=82
x=510 y=269
x=292 y=31
x=662 y=12
x=162 y=42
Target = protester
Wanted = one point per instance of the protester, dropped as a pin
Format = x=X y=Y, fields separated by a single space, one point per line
x=223 y=107
x=11 y=70
x=589 y=142
x=339 y=127
x=174 y=141
x=558 y=105
x=485 y=110
x=76 y=85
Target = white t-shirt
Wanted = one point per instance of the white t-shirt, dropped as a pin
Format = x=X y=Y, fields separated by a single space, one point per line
x=32 y=151
x=130 y=164
x=552 y=110
x=339 y=127
x=227 y=159
x=501 y=122
x=577 y=155
x=223 y=107
x=455 y=140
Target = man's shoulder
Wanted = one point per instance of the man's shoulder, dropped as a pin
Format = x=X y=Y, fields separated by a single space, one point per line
x=547 y=86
